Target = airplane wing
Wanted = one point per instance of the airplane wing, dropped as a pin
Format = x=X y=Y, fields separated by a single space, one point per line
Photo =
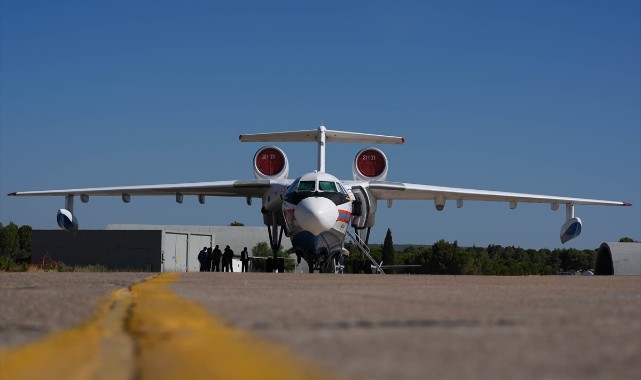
x=237 y=188
x=253 y=188
x=397 y=190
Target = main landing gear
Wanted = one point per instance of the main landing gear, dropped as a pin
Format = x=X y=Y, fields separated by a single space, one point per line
x=275 y=237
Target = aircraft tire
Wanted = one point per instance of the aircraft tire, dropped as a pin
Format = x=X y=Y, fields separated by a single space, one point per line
x=366 y=267
x=330 y=265
x=269 y=265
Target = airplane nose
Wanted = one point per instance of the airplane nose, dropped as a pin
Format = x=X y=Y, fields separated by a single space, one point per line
x=316 y=215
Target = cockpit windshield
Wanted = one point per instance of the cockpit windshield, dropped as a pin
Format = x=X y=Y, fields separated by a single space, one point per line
x=306 y=186
x=327 y=186
x=332 y=190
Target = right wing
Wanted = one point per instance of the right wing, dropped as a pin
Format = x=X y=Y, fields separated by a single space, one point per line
x=397 y=190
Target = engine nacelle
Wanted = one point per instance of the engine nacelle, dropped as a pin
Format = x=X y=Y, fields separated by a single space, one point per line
x=270 y=162
x=571 y=229
x=370 y=164
x=67 y=221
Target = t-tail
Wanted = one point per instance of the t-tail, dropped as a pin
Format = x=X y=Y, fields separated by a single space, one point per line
x=321 y=136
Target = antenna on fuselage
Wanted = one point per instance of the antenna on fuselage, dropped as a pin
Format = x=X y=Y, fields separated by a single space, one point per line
x=321 y=136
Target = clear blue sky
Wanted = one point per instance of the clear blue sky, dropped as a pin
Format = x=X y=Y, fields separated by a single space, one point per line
x=537 y=97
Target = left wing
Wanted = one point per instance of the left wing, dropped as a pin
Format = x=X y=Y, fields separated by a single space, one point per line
x=237 y=188
x=398 y=190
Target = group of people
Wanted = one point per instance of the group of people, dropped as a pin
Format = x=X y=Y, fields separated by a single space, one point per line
x=213 y=260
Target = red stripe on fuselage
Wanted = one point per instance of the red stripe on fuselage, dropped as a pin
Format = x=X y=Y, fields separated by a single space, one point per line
x=344 y=216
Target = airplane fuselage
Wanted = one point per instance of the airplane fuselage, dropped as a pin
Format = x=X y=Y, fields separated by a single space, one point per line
x=317 y=210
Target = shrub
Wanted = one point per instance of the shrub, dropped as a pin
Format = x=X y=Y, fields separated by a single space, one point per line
x=8 y=264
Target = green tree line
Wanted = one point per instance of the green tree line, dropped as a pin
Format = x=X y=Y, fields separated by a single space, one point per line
x=444 y=257
x=441 y=257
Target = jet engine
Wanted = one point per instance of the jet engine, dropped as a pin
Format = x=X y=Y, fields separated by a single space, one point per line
x=67 y=221
x=270 y=162
x=370 y=164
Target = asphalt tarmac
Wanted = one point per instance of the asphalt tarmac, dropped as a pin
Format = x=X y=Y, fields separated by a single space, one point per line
x=371 y=326
x=33 y=304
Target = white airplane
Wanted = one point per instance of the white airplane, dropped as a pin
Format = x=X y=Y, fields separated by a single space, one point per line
x=316 y=209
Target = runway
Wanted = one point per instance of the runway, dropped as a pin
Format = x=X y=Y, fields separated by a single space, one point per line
x=256 y=325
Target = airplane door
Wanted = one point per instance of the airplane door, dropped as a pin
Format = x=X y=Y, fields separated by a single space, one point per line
x=364 y=208
x=196 y=244
x=175 y=253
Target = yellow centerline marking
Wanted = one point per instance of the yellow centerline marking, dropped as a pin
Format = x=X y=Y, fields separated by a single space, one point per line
x=178 y=339
x=83 y=352
x=149 y=332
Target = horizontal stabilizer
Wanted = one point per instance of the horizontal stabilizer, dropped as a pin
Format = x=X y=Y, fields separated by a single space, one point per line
x=321 y=136
x=292 y=136
x=313 y=135
x=362 y=138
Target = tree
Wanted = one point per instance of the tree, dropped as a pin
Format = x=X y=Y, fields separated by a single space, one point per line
x=9 y=240
x=411 y=255
x=353 y=261
x=388 y=249
x=627 y=240
x=262 y=249
x=236 y=224
x=448 y=258
x=24 y=236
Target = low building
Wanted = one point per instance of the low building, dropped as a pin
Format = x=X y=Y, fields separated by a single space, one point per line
x=153 y=248
x=619 y=259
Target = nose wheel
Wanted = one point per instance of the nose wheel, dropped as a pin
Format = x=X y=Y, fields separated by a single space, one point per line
x=334 y=264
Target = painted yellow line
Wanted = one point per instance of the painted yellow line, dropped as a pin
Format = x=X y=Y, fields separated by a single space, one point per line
x=149 y=332
x=177 y=339
x=88 y=351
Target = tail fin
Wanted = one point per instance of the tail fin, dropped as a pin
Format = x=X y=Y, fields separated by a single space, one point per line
x=321 y=135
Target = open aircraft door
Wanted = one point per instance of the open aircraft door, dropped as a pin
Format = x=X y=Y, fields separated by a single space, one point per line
x=363 y=208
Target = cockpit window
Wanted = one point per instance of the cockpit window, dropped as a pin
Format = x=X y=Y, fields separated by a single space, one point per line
x=306 y=186
x=327 y=186
x=332 y=190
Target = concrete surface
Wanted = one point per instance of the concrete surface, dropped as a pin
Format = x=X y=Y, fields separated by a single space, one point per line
x=382 y=327
x=441 y=327
x=33 y=304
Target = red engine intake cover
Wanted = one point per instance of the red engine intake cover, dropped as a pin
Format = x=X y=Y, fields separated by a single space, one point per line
x=371 y=163
x=270 y=162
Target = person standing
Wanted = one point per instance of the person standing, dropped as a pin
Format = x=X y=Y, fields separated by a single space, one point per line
x=210 y=259
x=202 y=259
x=244 y=258
x=216 y=254
x=228 y=255
x=223 y=261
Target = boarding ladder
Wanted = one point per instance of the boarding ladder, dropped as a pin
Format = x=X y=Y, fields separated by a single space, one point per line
x=365 y=250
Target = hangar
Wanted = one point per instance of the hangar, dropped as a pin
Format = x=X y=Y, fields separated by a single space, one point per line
x=619 y=259
x=151 y=248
